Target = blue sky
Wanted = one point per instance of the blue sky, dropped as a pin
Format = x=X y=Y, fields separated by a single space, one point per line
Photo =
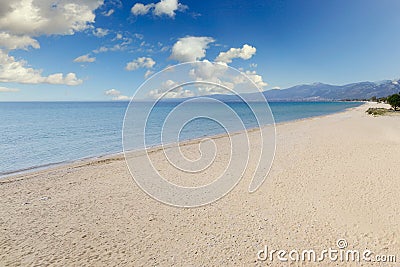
x=95 y=50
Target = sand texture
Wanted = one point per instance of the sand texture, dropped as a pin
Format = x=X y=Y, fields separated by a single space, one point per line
x=333 y=177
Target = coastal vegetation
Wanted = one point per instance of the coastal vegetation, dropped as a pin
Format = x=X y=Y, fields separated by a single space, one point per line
x=392 y=100
x=378 y=111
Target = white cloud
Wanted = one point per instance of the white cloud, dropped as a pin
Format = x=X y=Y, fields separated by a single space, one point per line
x=211 y=78
x=100 y=32
x=164 y=49
x=11 y=42
x=395 y=82
x=276 y=87
x=190 y=48
x=139 y=36
x=108 y=13
x=214 y=73
x=112 y=92
x=256 y=78
x=168 y=7
x=253 y=65
x=22 y=20
x=17 y=71
x=140 y=9
x=116 y=47
x=123 y=44
x=59 y=78
x=101 y=49
x=34 y=18
x=85 y=58
x=176 y=92
x=116 y=95
x=246 y=52
x=6 y=89
x=121 y=97
x=141 y=62
x=148 y=73
x=217 y=73
x=208 y=71
x=164 y=7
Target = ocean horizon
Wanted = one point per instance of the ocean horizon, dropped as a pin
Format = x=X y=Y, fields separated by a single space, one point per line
x=37 y=135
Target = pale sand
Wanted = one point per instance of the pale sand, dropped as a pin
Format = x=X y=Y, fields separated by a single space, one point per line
x=336 y=176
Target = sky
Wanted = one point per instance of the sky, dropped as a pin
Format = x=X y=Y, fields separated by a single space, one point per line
x=91 y=50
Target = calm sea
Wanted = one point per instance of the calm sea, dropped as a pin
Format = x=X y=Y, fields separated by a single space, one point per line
x=37 y=134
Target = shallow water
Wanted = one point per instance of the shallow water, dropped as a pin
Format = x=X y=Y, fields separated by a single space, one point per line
x=34 y=134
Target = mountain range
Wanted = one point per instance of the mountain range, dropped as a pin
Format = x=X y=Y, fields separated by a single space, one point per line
x=321 y=91
x=324 y=92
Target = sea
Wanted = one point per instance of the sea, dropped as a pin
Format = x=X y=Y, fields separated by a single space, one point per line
x=40 y=134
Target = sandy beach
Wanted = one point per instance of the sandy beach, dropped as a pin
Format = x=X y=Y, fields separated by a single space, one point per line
x=333 y=177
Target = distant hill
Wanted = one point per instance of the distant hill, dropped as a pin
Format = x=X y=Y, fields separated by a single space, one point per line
x=321 y=91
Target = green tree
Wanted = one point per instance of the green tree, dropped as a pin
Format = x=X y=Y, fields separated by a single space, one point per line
x=394 y=101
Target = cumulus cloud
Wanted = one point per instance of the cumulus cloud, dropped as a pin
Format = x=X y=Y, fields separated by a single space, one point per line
x=6 y=89
x=190 y=48
x=141 y=9
x=34 y=18
x=11 y=42
x=168 y=7
x=208 y=71
x=59 y=78
x=116 y=95
x=164 y=7
x=276 y=87
x=85 y=58
x=246 y=52
x=22 y=20
x=214 y=73
x=12 y=70
x=100 y=32
x=141 y=62
x=211 y=78
x=256 y=78
x=176 y=91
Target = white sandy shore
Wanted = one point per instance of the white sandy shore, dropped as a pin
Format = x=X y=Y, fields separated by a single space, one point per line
x=333 y=177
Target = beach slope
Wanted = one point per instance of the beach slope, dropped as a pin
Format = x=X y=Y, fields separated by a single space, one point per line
x=333 y=177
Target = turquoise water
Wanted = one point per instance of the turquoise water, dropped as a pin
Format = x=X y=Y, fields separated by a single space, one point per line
x=35 y=134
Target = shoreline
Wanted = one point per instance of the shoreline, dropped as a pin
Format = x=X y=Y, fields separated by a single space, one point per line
x=95 y=158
